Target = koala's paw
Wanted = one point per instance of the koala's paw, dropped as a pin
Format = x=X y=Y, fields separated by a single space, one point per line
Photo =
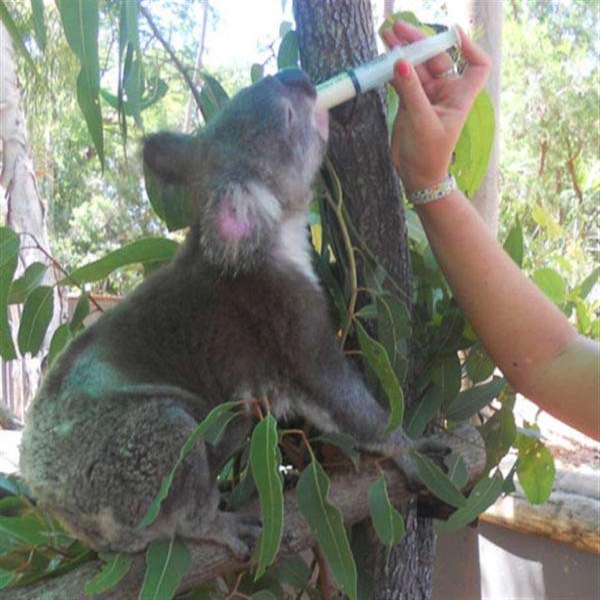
x=239 y=533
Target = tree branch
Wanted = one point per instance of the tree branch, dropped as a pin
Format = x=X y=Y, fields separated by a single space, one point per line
x=348 y=492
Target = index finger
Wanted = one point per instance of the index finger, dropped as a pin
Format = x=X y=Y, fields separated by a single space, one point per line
x=442 y=63
x=478 y=64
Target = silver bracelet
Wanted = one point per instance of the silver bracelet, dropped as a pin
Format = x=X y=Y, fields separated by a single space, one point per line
x=435 y=192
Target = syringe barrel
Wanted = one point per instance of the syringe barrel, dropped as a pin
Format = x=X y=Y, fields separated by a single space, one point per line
x=381 y=70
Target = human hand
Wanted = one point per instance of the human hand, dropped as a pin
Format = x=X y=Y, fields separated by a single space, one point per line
x=433 y=107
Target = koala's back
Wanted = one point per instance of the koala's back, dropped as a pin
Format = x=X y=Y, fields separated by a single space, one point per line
x=135 y=384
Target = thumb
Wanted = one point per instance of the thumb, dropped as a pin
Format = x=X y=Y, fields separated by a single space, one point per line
x=407 y=84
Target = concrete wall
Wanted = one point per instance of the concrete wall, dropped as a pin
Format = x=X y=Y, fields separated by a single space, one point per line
x=495 y=563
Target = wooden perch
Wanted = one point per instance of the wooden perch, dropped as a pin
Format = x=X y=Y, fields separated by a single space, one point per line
x=348 y=492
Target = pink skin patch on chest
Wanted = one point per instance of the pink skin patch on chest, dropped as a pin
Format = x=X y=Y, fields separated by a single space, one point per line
x=231 y=227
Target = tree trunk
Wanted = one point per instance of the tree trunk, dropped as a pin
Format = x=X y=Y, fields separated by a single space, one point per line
x=21 y=206
x=485 y=18
x=334 y=35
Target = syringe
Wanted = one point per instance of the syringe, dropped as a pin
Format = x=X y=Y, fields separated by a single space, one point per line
x=361 y=79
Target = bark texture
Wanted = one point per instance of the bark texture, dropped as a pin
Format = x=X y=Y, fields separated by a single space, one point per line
x=22 y=210
x=335 y=35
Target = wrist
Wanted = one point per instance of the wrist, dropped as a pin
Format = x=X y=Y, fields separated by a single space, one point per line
x=426 y=195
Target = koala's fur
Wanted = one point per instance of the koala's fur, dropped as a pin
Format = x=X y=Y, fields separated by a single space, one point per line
x=237 y=314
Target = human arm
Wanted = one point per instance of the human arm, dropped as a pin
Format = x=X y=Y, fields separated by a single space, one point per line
x=531 y=341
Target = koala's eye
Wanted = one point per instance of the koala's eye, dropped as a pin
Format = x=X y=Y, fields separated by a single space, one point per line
x=290 y=116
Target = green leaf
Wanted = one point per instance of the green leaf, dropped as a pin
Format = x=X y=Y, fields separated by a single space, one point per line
x=437 y=482
x=514 y=244
x=471 y=401
x=344 y=442
x=142 y=251
x=89 y=103
x=212 y=417
x=264 y=461
x=447 y=376
x=551 y=283
x=263 y=595
x=484 y=494
x=388 y=522
x=82 y=310
x=37 y=314
x=170 y=201
x=587 y=285
x=60 y=339
x=256 y=72
x=479 y=365
x=15 y=35
x=326 y=522
x=133 y=84
x=31 y=278
x=288 y=55
x=28 y=530
x=535 y=469
x=378 y=360
x=499 y=433
x=457 y=470
x=422 y=412
x=114 y=568
x=80 y=19
x=37 y=13
x=393 y=327
x=212 y=98
x=474 y=146
x=293 y=571
x=167 y=562
x=9 y=250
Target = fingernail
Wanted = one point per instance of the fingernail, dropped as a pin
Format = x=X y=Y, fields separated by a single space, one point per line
x=403 y=69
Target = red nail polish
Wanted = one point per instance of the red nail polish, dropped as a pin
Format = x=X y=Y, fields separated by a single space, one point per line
x=403 y=69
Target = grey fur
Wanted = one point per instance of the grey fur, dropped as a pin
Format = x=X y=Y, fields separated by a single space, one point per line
x=237 y=314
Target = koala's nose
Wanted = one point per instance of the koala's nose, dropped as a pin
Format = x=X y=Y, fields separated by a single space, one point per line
x=297 y=78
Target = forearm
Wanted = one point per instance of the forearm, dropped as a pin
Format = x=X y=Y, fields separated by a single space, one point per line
x=524 y=333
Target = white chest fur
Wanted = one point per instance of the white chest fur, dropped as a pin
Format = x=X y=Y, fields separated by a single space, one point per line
x=293 y=247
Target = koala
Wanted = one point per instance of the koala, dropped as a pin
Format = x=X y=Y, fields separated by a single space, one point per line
x=239 y=313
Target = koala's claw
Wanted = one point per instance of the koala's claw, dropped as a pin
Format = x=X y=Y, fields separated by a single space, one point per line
x=239 y=533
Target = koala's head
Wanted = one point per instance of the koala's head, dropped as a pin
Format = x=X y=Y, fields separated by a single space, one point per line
x=250 y=168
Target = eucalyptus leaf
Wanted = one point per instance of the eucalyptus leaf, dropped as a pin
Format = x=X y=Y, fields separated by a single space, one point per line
x=212 y=97
x=9 y=250
x=379 y=362
x=288 y=54
x=82 y=310
x=514 y=244
x=421 y=413
x=471 y=401
x=60 y=339
x=499 y=433
x=37 y=314
x=474 y=146
x=551 y=283
x=142 y=251
x=326 y=522
x=115 y=566
x=483 y=495
x=167 y=562
x=387 y=521
x=535 y=469
x=437 y=482
x=457 y=470
x=31 y=278
x=264 y=461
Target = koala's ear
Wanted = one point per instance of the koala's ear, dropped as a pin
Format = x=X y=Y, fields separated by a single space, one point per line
x=170 y=156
